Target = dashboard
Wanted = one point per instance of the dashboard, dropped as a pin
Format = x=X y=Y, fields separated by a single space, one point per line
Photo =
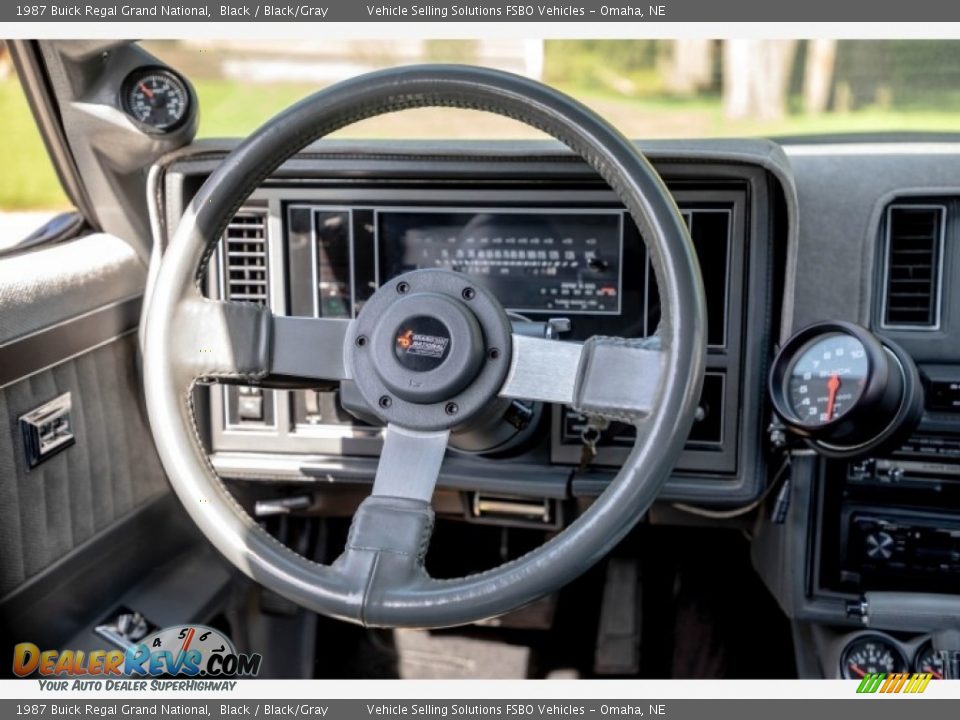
x=787 y=237
x=552 y=242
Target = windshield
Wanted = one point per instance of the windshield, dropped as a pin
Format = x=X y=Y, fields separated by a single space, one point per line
x=688 y=88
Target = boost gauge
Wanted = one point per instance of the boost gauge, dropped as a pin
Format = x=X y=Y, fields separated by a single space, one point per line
x=157 y=99
x=870 y=654
x=845 y=390
x=928 y=660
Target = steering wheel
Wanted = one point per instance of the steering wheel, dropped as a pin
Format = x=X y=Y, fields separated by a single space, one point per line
x=472 y=359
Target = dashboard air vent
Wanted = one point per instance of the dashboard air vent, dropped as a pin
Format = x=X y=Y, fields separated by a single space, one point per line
x=914 y=247
x=245 y=258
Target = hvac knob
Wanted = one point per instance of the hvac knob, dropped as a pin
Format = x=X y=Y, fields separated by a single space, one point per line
x=879 y=546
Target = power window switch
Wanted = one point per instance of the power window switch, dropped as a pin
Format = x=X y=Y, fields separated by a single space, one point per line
x=47 y=430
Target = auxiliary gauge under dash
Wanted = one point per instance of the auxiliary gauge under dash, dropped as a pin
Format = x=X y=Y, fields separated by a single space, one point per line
x=845 y=390
x=157 y=99
x=870 y=654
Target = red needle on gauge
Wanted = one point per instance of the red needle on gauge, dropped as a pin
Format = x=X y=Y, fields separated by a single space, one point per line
x=853 y=666
x=833 y=384
x=146 y=91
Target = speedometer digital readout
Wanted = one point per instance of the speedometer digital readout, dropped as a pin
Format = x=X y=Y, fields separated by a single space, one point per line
x=533 y=260
x=827 y=378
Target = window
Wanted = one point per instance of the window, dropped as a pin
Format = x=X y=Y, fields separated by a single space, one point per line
x=697 y=88
x=30 y=191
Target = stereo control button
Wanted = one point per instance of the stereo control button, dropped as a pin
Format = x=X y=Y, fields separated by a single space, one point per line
x=878 y=546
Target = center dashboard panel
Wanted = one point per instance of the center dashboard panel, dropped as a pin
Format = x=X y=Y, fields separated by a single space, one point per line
x=890 y=520
x=548 y=248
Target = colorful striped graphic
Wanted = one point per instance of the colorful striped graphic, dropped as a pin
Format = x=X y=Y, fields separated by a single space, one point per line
x=913 y=683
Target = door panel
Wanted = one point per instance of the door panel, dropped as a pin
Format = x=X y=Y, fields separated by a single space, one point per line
x=67 y=324
x=52 y=284
x=47 y=511
x=82 y=529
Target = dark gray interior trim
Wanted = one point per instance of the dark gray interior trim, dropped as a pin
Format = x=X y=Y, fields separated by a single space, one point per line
x=37 y=351
x=191 y=585
x=867 y=178
x=459 y=472
x=109 y=149
x=53 y=606
x=925 y=344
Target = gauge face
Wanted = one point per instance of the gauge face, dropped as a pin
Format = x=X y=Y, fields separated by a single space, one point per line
x=871 y=654
x=844 y=390
x=157 y=99
x=928 y=661
x=827 y=378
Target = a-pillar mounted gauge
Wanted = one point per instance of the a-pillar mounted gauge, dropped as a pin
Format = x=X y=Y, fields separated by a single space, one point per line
x=157 y=99
x=846 y=391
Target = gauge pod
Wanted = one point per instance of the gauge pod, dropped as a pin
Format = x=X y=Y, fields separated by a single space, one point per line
x=156 y=99
x=869 y=654
x=928 y=660
x=845 y=390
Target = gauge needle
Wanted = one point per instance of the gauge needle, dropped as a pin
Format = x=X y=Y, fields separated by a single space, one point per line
x=833 y=384
x=853 y=667
x=146 y=91
x=186 y=641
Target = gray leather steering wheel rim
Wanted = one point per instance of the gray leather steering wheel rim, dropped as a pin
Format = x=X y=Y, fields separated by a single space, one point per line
x=370 y=583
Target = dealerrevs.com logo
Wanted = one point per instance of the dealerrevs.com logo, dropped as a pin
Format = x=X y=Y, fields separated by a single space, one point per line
x=179 y=651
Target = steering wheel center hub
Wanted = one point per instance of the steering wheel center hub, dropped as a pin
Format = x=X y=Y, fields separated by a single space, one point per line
x=427 y=346
x=430 y=349
x=422 y=343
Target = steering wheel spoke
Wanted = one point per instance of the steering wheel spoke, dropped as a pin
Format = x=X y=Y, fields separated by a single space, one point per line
x=391 y=530
x=217 y=340
x=616 y=378
x=620 y=378
x=306 y=349
x=228 y=341
x=410 y=463
x=543 y=370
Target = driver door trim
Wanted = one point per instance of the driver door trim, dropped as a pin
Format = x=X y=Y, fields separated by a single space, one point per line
x=33 y=353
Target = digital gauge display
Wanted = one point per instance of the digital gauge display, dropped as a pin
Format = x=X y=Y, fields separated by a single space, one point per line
x=533 y=260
